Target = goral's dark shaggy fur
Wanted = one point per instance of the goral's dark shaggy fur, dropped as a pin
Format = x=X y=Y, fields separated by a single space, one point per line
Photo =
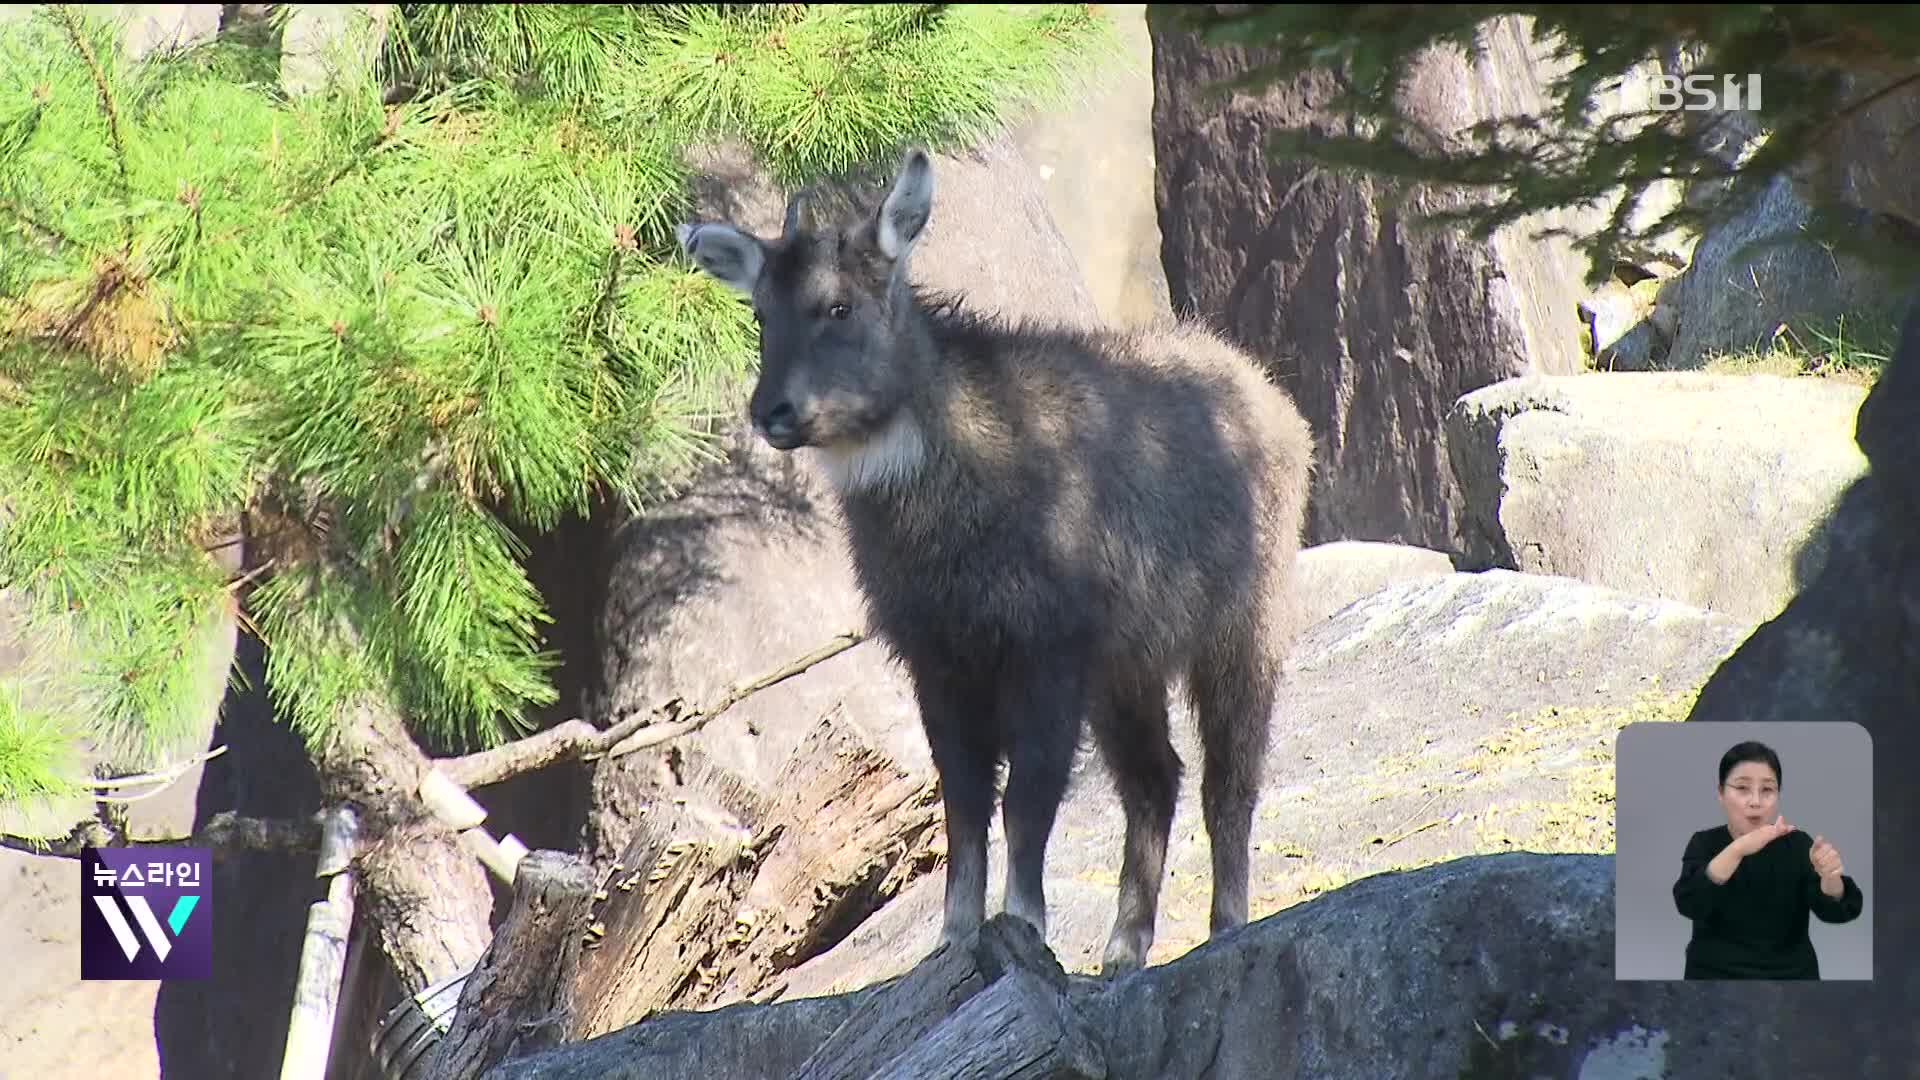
x=1049 y=527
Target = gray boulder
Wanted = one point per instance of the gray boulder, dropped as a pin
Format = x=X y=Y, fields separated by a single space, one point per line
x=1755 y=272
x=1331 y=576
x=1624 y=328
x=1871 y=159
x=1705 y=489
x=1499 y=966
x=321 y=41
x=150 y=28
x=1847 y=649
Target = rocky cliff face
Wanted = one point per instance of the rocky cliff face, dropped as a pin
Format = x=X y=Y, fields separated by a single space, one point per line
x=1376 y=328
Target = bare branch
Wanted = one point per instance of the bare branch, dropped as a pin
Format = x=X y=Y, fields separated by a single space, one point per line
x=164 y=777
x=224 y=833
x=699 y=718
x=578 y=739
x=573 y=739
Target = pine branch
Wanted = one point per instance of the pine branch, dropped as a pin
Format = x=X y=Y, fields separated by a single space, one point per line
x=898 y=23
x=388 y=131
x=330 y=348
x=71 y=24
x=578 y=739
x=38 y=225
x=700 y=717
x=1566 y=159
x=624 y=241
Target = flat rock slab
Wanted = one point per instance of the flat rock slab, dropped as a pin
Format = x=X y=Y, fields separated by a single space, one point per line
x=1333 y=575
x=1499 y=966
x=1438 y=717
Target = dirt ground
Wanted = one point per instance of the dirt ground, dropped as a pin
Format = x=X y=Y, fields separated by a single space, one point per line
x=52 y=1025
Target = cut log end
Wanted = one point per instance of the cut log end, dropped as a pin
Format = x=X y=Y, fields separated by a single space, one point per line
x=552 y=878
x=892 y=1030
x=520 y=996
x=1020 y=1028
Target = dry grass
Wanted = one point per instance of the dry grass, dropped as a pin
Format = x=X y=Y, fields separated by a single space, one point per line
x=1574 y=750
x=1569 y=751
x=1854 y=352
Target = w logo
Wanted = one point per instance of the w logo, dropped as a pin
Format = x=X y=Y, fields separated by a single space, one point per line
x=125 y=892
x=143 y=914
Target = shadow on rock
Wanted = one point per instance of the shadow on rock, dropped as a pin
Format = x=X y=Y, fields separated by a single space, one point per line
x=1847 y=649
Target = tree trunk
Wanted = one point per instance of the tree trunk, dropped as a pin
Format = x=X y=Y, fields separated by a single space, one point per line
x=1020 y=1028
x=427 y=897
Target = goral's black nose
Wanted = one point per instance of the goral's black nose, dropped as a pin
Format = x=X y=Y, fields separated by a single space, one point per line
x=780 y=423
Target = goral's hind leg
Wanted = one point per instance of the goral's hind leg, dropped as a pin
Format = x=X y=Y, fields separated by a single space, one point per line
x=1133 y=741
x=1233 y=684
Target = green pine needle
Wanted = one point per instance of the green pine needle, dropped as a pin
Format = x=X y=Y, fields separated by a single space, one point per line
x=389 y=322
x=36 y=755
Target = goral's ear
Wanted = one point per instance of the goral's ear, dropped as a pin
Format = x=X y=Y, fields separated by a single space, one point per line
x=903 y=216
x=724 y=252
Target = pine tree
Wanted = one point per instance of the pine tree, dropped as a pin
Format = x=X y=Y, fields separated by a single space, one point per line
x=1819 y=65
x=373 y=328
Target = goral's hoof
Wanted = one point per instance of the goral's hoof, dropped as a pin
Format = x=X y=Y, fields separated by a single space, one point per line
x=1122 y=958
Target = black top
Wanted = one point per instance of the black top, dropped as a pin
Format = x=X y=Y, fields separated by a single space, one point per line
x=1755 y=925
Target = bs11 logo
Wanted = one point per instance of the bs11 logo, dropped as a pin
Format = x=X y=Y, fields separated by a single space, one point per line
x=145 y=913
x=1704 y=93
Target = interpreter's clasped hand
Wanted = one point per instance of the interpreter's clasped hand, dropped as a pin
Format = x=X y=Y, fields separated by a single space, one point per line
x=1826 y=862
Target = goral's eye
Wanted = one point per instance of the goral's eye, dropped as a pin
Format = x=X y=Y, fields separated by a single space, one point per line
x=839 y=311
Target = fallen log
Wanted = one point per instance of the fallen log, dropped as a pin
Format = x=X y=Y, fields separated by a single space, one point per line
x=1401 y=974
x=696 y=920
x=993 y=1008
